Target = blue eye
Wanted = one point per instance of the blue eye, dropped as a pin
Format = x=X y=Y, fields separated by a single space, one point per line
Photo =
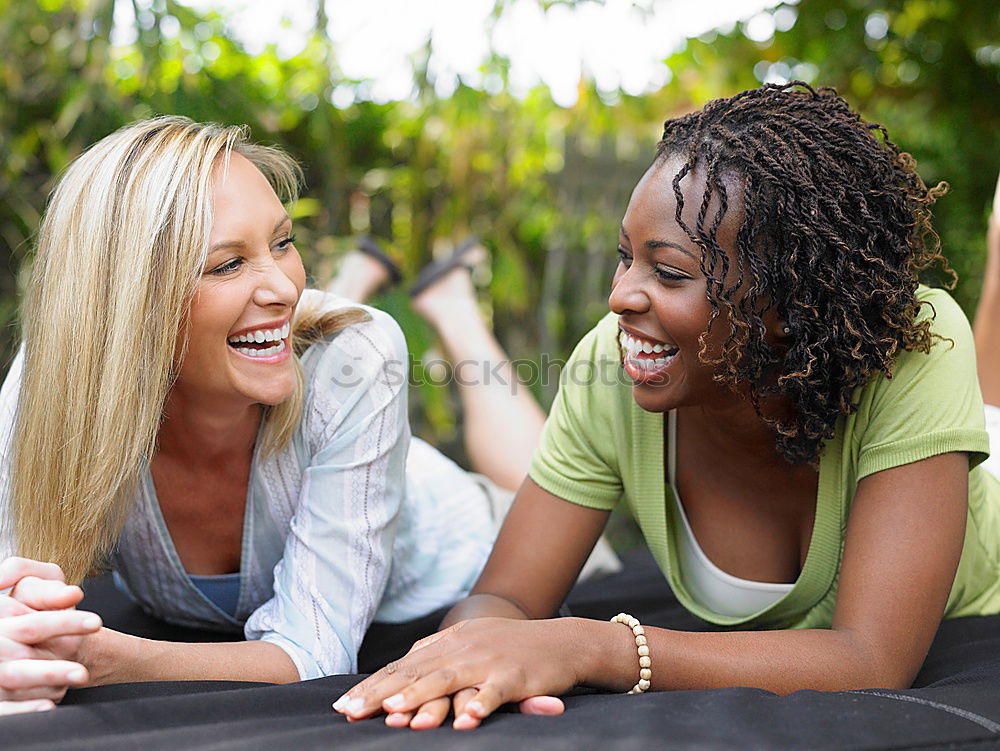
x=227 y=268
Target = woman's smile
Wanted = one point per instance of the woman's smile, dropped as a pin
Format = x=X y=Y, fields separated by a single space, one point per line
x=645 y=360
x=266 y=344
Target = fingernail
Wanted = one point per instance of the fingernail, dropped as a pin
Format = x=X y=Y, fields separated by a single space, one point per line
x=43 y=706
x=474 y=707
x=423 y=718
x=339 y=704
x=464 y=721
x=355 y=705
x=395 y=718
x=76 y=676
x=395 y=701
x=92 y=621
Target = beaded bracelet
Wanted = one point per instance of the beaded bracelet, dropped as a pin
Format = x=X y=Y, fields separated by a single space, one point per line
x=645 y=673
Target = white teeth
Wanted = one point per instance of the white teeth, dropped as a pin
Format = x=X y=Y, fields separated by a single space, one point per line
x=263 y=335
x=267 y=352
x=635 y=346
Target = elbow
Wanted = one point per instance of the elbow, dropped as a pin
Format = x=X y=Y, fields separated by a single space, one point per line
x=875 y=665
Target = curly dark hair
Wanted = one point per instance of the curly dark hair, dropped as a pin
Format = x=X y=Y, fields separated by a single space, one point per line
x=836 y=232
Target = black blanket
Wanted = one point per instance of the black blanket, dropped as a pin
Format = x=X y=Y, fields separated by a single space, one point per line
x=955 y=701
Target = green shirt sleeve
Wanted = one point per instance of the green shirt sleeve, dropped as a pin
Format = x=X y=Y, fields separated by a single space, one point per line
x=575 y=459
x=932 y=404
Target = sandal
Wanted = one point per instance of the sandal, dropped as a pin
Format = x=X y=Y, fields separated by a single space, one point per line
x=371 y=247
x=437 y=269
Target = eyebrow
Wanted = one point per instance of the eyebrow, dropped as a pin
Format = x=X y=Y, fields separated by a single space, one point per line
x=655 y=244
x=226 y=244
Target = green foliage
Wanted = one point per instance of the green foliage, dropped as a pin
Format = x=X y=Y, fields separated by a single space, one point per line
x=544 y=186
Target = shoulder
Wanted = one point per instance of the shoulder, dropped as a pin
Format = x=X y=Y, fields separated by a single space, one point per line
x=593 y=376
x=601 y=342
x=355 y=372
x=946 y=316
x=594 y=392
x=360 y=351
x=931 y=403
x=952 y=347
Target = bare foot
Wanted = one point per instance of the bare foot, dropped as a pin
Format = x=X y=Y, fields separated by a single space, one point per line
x=358 y=277
x=453 y=295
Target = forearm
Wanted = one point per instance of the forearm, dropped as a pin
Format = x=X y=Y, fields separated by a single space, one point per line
x=780 y=661
x=114 y=657
x=482 y=606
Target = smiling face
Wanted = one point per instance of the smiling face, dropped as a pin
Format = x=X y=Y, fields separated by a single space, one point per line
x=659 y=292
x=239 y=320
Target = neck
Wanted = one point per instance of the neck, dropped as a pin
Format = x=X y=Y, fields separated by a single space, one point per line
x=736 y=430
x=202 y=431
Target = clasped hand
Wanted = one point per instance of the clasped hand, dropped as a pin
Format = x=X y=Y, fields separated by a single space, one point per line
x=41 y=636
x=473 y=667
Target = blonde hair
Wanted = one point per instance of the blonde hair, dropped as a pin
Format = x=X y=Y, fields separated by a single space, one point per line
x=120 y=251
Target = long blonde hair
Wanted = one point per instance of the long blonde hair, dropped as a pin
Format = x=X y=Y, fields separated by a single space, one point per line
x=120 y=251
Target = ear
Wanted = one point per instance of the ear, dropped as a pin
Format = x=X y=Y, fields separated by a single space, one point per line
x=777 y=327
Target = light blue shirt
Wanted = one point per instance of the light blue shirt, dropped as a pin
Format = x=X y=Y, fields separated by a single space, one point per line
x=350 y=523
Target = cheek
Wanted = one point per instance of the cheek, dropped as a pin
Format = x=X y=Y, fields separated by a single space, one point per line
x=617 y=276
x=212 y=314
x=291 y=264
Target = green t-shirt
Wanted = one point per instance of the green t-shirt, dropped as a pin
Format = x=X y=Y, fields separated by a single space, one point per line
x=599 y=448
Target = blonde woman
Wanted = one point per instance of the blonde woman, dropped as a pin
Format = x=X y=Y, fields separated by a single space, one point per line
x=231 y=445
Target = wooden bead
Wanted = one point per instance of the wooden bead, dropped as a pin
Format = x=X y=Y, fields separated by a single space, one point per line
x=645 y=663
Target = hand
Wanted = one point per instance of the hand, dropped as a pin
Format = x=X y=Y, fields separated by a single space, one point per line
x=41 y=586
x=40 y=636
x=474 y=666
x=13 y=569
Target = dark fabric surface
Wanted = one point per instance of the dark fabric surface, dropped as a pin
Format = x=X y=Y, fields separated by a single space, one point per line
x=955 y=702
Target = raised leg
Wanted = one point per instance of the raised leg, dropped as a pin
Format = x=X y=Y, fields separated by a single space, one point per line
x=503 y=422
x=358 y=277
x=986 y=327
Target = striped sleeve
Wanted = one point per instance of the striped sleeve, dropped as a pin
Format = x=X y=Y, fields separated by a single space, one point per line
x=337 y=556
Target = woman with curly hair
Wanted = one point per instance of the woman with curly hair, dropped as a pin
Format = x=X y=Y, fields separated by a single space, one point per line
x=799 y=436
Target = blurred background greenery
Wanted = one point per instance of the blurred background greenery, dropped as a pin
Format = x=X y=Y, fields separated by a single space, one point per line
x=543 y=185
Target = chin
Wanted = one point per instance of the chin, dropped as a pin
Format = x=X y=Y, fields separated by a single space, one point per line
x=651 y=402
x=272 y=395
x=274 y=399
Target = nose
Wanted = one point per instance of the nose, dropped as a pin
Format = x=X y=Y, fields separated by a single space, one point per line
x=627 y=294
x=276 y=286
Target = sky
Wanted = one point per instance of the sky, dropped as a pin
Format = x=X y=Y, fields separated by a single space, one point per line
x=617 y=43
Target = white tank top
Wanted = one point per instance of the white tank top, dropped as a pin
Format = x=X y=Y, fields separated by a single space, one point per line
x=708 y=584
